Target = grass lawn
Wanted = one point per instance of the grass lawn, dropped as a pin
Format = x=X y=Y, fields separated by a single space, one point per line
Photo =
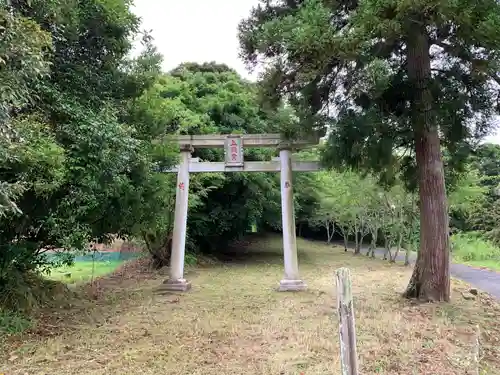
x=83 y=271
x=233 y=322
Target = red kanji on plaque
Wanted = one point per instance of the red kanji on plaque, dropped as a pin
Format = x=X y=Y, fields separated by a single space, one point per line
x=233 y=151
x=181 y=186
x=287 y=184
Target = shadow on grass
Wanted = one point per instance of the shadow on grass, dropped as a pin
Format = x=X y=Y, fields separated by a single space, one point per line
x=258 y=249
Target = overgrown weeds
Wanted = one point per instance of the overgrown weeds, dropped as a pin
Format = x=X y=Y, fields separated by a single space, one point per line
x=21 y=295
x=474 y=249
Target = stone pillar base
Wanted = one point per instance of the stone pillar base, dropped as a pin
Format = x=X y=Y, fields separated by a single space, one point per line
x=180 y=285
x=292 y=285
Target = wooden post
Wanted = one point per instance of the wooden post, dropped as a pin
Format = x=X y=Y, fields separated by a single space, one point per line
x=347 y=330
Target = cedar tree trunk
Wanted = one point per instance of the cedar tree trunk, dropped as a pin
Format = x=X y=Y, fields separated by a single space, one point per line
x=430 y=280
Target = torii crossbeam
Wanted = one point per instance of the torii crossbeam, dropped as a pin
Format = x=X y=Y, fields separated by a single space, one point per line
x=234 y=162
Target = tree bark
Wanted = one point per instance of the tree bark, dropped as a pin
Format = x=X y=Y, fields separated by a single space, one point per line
x=355 y=237
x=387 y=247
x=357 y=246
x=407 y=255
x=328 y=231
x=373 y=244
x=430 y=280
x=398 y=248
x=346 y=241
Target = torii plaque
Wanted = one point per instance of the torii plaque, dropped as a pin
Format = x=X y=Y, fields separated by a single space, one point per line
x=233 y=151
x=234 y=162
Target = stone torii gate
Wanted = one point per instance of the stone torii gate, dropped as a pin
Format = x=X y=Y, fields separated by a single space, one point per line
x=234 y=162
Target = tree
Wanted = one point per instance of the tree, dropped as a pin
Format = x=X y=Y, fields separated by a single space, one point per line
x=20 y=69
x=481 y=212
x=345 y=203
x=66 y=88
x=326 y=213
x=402 y=77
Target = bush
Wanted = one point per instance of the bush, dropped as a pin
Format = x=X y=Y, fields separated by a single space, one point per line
x=472 y=246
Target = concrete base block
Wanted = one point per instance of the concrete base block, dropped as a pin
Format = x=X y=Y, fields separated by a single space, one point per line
x=292 y=285
x=180 y=285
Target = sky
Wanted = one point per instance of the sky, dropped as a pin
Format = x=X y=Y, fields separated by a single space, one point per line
x=196 y=30
x=201 y=31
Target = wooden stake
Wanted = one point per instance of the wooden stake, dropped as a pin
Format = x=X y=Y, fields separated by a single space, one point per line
x=347 y=330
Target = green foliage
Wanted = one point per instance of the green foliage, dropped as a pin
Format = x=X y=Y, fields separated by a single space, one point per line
x=355 y=205
x=472 y=247
x=85 y=131
x=486 y=214
x=26 y=290
x=74 y=162
x=190 y=259
x=319 y=54
x=205 y=99
x=23 y=44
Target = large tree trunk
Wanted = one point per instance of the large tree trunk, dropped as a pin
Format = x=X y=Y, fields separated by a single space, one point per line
x=430 y=280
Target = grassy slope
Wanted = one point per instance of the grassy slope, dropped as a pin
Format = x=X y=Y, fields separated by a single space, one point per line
x=233 y=322
x=475 y=251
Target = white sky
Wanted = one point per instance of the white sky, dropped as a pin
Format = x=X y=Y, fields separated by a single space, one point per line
x=196 y=30
x=200 y=31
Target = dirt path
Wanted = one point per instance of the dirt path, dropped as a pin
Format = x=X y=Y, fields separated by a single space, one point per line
x=486 y=280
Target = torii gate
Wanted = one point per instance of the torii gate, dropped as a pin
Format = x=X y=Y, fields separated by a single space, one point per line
x=234 y=162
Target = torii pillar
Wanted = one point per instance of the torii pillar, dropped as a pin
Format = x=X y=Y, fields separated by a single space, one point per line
x=291 y=280
x=176 y=281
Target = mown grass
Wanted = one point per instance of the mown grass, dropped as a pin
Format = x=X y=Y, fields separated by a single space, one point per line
x=234 y=322
x=83 y=271
x=473 y=250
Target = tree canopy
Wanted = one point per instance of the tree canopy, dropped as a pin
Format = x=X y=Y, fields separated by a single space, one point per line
x=395 y=81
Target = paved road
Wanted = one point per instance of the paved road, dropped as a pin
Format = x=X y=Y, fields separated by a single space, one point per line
x=485 y=280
